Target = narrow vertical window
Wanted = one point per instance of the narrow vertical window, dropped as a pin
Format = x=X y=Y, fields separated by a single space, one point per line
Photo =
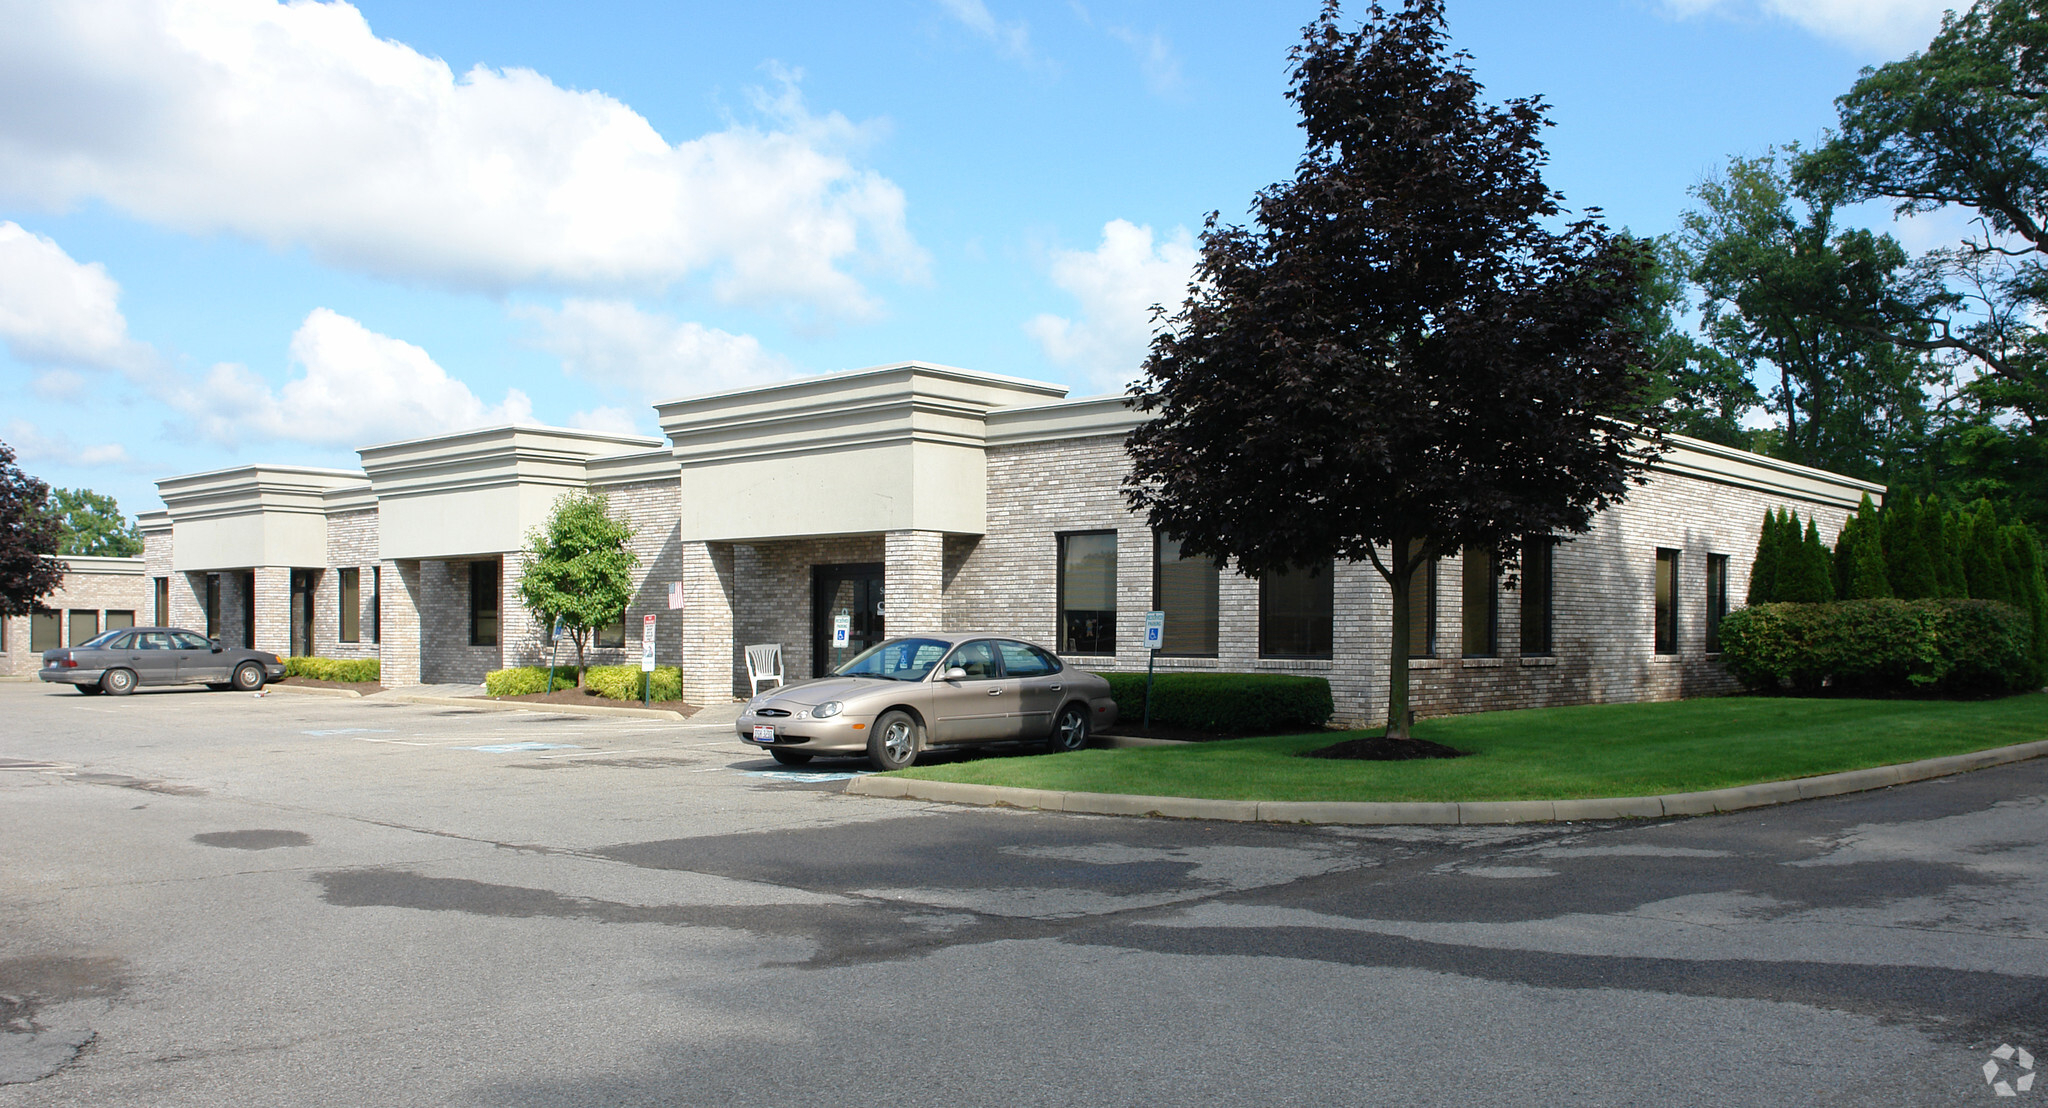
x=163 y=602
x=350 y=585
x=483 y=603
x=1667 y=601
x=213 y=605
x=1717 y=599
x=1185 y=587
x=1482 y=605
x=119 y=618
x=1087 y=593
x=1296 y=610
x=249 y=610
x=1421 y=606
x=44 y=630
x=376 y=604
x=83 y=626
x=1537 y=554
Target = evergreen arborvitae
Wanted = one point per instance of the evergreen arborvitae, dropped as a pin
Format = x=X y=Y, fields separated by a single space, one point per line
x=1860 y=556
x=1984 y=556
x=1954 y=582
x=1763 y=572
x=2030 y=590
x=1908 y=561
x=1803 y=567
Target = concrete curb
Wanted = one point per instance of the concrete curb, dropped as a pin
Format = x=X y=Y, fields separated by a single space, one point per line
x=530 y=706
x=1469 y=812
x=314 y=690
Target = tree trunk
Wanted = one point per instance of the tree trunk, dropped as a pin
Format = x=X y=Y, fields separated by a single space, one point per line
x=1401 y=583
x=578 y=637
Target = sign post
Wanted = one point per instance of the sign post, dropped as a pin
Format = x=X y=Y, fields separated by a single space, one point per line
x=646 y=657
x=554 y=647
x=1155 y=636
x=842 y=635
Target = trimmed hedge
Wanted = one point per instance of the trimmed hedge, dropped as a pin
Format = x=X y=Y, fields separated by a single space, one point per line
x=1230 y=703
x=1941 y=646
x=609 y=682
x=334 y=669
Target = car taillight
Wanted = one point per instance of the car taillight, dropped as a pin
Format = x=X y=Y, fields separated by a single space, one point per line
x=67 y=662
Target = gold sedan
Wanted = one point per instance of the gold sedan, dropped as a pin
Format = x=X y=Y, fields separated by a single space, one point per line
x=904 y=696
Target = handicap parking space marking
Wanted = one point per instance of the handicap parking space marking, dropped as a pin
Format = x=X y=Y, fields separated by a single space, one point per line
x=801 y=778
x=520 y=747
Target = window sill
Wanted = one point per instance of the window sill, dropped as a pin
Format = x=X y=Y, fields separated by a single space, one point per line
x=1425 y=663
x=1540 y=660
x=1479 y=663
x=1312 y=665
x=1667 y=659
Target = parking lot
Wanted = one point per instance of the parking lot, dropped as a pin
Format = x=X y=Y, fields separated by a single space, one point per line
x=223 y=899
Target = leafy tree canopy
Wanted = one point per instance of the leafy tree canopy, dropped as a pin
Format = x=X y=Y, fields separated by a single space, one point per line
x=577 y=569
x=1410 y=342
x=92 y=524
x=28 y=539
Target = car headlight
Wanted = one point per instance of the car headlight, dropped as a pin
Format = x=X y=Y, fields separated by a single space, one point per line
x=827 y=710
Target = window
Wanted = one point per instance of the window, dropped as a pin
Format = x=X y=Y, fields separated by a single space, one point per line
x=483 y=605
x=1538 y=552
x=1421 y=606
x=1295 y=609
x=1087 y=593
x=377 y=604
x=1667 y=601
x=1025 y=660
x=43 y=630
x=1482 y=605
x=163 y=602
x=1717 y=599
x=82 y=627
x=350 y=584
x=186 y=640
x=213 y=605
x=120 y=618
x=1185 y=588
x=978 y=658
x=249 y=609
x=612 y=634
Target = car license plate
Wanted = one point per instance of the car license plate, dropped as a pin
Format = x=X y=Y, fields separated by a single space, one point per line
x=764 y=733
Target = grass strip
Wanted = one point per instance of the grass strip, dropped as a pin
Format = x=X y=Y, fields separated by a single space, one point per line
x=1605 y=750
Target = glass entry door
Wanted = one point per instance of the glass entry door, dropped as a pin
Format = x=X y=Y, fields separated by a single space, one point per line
x=854 y=591
x=305 y=582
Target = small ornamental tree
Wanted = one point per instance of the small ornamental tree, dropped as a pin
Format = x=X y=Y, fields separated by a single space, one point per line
x=29 y=537
x=1413 y=351
x=1908 y=563
x=577 y=570
x=1765 y=567
x=1984 y=556
x=1803 y=575
x=1859 y=557
x=93 y=525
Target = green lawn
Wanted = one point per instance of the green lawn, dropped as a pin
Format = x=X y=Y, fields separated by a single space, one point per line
x=1547 y=754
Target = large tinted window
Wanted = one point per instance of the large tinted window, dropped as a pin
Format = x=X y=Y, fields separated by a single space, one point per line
x=163 y=601
x=1717 y=599
x=1087 y=593
x=45 y=630
x=1667 y=602
x=117 y=618
x=1421 y=606
x=483 y=604
x=84 y=626
x=1537 y=557
x=1482 y=600
x=213 y=605
x=1296 y=608
x=350 y=616
x=1185 y=588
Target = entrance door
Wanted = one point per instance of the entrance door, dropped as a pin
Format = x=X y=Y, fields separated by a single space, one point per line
x=854 y=591
x=303 y=585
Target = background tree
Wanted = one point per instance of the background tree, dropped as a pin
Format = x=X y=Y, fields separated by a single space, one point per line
x=1703 y=391
x=1777 y=279
x=91 y=524
x=28 y=539
x=1411 y=343
x=577 y=569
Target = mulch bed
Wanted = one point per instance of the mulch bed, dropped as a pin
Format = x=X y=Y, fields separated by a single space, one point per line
x=589 y=698
x=1379 y=748
x=364 y=687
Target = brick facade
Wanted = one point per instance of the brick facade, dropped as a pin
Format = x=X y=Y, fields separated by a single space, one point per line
x=95 y=586
x=351 y=544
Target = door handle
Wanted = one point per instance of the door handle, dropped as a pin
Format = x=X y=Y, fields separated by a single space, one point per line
x=995 y=692
x=1057 y=688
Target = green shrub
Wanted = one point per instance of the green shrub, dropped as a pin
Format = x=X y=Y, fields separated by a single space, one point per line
x=609 y=682
x=521 y=680
x=1941 y=646
x=333 y=669
x=1230 y=703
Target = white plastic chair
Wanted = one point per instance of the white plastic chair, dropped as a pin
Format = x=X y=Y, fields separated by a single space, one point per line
x=764 y=663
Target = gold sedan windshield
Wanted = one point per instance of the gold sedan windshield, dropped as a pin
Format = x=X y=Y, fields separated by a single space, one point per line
x=896 y=660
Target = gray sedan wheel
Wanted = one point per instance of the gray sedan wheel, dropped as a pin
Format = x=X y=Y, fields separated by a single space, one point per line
x=248 y=677
x=118 y=682
x=1070 y=731
x=895 y=741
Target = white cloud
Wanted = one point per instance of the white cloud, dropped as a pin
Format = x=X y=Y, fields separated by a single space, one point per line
x=296 y=126
x=1013 y=38
x=55 y=311
x=1891 y=28
x=614 y=344
x=1157 y=62
x=33 y=445
x=355 y=386
x=1117 y=283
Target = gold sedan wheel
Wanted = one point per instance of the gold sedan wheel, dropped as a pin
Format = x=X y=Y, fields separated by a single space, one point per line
x=895 y=741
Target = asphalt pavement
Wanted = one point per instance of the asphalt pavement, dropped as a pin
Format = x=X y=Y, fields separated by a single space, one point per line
x=219 y=899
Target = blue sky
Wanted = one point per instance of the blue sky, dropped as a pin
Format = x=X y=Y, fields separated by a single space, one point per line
x=233 y=231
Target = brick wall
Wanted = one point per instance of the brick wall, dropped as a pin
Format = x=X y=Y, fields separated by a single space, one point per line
x=772 y=594
x=446 y=654
x=351 y=544
x=97 y=593
x=1006 y=581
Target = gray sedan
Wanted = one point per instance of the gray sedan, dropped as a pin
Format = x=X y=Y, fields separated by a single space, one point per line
x=118 y=661
x=905 y=695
